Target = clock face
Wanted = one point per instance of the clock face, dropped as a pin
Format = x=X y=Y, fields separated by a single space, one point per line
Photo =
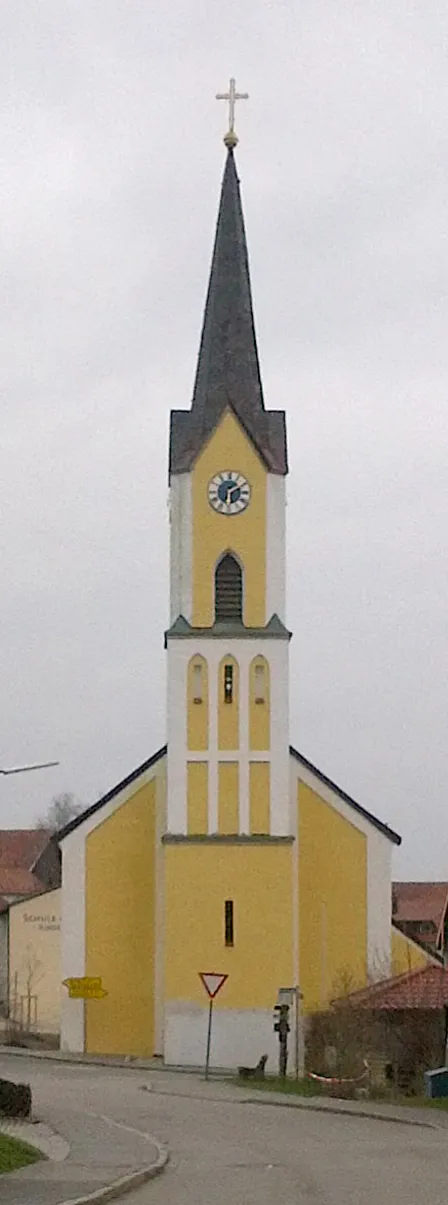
x=229 y=492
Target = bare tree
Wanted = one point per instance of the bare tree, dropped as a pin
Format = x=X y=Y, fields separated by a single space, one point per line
x=60 y=811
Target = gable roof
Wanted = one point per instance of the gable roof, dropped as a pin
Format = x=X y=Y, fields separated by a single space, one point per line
x=20 y=850
x=379 y=824
x=228 y=370
x=121 y=786
x=21 y=847
x=419 y=902
x=422 y=989
x=151 y=761
x=36 y=895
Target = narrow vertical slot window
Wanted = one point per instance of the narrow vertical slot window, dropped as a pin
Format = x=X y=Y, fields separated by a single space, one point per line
x=228 y=923
x=228 y=683
x=260 y=687
x=197 y=683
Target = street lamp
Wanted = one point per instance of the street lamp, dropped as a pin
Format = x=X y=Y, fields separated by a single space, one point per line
x=24 y=769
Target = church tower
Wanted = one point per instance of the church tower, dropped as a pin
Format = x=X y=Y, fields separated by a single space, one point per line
x=226 y=852
x=228 y=800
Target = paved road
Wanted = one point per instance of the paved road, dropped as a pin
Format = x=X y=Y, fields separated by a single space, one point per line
x=79 y=1104
x=228 y=1152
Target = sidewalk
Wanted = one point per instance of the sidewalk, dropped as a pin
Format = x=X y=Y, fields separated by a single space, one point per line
x=189 y=1082
x=102 y=1155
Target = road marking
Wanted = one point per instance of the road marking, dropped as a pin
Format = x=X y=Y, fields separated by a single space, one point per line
x=121 y=1126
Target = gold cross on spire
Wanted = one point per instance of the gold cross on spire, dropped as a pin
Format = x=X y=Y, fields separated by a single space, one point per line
x=230 y=139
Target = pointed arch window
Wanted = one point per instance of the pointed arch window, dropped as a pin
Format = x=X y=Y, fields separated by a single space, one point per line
x=228 y=589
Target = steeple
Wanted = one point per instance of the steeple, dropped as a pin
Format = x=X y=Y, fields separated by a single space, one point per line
x=228 y=370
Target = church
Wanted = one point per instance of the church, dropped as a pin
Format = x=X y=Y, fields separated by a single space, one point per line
x=227 y=851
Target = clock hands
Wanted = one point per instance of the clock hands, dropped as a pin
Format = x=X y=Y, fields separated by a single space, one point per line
x=229 y=493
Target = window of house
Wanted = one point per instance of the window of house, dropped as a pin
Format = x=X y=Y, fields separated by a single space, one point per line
x=228 y=922
x=228 y=590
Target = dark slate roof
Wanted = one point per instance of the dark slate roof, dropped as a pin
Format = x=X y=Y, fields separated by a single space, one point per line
x=121 y=786
x=181 y=629
x=228 y=370
x=383 y=828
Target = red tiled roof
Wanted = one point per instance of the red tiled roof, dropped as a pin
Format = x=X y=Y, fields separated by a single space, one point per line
x=419 y=902
x=21 y=847
x=18 y=882
x=423 y=989
x=19 y=850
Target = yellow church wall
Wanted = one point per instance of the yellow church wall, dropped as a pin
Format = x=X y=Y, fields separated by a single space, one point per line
x=259 y=706
x=259 y=796
x=332 y=901
x=228 y=713
x=197 y=797
x=406 y=955
x=258 y=880
x=228 y=797
x=243 y=534
x=197 y=721
x=120 y=927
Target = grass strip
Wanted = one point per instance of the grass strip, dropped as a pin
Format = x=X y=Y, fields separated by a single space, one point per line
x=306 y=1087
x=15 y=1154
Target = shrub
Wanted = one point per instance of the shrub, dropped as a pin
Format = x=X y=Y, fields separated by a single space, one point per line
x=15 y=1099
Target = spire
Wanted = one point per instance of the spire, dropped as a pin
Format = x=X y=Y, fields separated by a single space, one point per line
x=228 y=372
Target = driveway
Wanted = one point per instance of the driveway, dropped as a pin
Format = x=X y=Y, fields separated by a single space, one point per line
x=225 y=1151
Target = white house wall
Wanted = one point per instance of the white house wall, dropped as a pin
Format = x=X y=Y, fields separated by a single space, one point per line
x=239 y=1036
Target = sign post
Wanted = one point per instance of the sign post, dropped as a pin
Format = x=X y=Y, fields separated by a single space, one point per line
x=213 y=982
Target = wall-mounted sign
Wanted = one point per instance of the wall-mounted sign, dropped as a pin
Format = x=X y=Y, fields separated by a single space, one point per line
x=86 y=987
x=45 y=921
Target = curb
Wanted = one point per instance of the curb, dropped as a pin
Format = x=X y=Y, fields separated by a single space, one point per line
x=119 y=1188
x=38 y=1134
x=371 y=1115
x=130 y=1063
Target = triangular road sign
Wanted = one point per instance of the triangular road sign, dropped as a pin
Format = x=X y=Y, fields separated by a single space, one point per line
x=212 y=982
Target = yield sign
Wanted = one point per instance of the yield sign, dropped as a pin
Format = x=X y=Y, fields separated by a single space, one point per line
x=212 y=982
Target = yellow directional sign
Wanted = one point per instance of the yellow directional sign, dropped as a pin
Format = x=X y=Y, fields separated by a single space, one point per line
x=88 y=987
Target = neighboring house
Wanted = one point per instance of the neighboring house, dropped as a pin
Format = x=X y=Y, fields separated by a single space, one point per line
x=409 y=955
x=34 y=963
x=404 y=1020
x=29 y=863
x=420 y=910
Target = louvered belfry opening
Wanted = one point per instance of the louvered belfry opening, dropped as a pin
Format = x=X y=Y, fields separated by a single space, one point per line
x=228 y=590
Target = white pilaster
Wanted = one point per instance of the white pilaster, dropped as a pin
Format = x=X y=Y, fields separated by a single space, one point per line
x=275 y=546
x=181 y=542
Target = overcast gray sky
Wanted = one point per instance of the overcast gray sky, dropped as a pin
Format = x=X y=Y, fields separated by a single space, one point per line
x=111 y=161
